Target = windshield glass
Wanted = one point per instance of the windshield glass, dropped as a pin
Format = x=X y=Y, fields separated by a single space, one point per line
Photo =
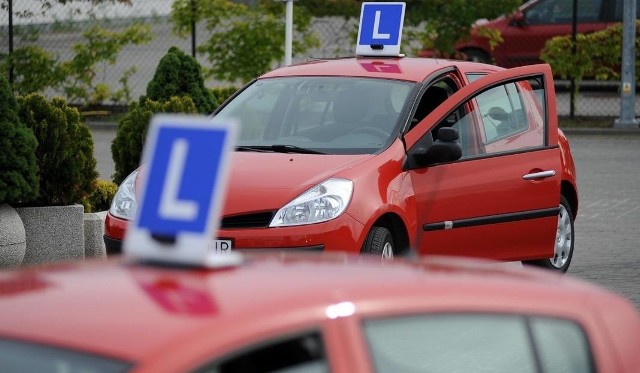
x=331 y=115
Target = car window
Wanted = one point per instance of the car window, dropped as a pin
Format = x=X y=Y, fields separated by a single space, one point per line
x=502 y=112
x=561 y=12
x=20 y=357
x=294 y=354
x=477 y=343
x=619 y=9
x=507 y=117
x=561 y=345
x=433 y=96
x=337 y=115
x=472 y=77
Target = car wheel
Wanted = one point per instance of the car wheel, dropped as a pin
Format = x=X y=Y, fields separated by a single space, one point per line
x=477 y=55
x=563 y=248
x=379 y=242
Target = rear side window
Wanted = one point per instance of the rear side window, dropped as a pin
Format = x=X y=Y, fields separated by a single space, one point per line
x=478 y=343
x=561 y=12
x=619 y=9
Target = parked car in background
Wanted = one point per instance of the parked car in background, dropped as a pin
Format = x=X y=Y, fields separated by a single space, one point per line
x=385 y=155
x=526 y=31
x=306 y=312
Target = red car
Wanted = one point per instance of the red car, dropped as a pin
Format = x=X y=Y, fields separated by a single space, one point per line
x=391 y=155
x=311 y=313
x=525 y=32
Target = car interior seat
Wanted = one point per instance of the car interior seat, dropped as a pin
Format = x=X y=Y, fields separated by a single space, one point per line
x=505 y=124
x=432 y=98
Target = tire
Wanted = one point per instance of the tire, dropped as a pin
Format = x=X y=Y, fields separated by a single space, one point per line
x=477 y=55
x=379 y=242
x=563 y=247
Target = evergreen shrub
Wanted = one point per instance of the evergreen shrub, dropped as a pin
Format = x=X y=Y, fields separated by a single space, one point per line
x=100 y=199
x=64 y=153
x=18 y=167
x=126 y=148
x=179 y=74
x=223 y=93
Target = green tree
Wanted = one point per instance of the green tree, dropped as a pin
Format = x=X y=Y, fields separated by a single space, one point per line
x=100 y=46
x=245 y=41
x=179 y=74
x=126 y=148
x=65 y=150
x=34 y=69
x=18 y=167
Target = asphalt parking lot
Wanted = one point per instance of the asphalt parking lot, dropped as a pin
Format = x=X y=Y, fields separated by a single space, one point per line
x=607 y=229
x=607 y=235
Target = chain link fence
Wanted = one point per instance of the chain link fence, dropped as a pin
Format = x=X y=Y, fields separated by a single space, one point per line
x=59 y=28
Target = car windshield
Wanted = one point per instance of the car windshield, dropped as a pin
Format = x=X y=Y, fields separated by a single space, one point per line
x=326 y=115
x=17 y=356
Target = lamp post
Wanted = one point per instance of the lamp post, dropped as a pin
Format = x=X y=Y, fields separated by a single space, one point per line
x=288 y=31
x=10 y=41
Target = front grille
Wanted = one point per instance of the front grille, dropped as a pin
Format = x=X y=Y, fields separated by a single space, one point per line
x=256 y=220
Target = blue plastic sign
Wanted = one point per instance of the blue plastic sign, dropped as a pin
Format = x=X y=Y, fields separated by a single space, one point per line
x=380 y=30
x=185 y=162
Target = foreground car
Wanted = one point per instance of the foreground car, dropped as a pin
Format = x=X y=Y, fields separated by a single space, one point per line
x=387 y=155
x=311 y=313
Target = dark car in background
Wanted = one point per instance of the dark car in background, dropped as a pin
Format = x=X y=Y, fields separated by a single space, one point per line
x=526 y=31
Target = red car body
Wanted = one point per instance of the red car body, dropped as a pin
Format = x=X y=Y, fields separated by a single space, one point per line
x=525 y=32
x=477 y=204
x=124 y=316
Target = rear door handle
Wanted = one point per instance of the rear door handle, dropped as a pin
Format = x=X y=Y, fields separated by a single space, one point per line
x=539 y=175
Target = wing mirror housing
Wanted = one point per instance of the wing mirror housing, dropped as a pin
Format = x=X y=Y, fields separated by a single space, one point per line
x=518 y=19
x=446 y=148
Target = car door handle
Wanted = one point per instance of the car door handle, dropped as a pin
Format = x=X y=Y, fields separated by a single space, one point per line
x=539 y=175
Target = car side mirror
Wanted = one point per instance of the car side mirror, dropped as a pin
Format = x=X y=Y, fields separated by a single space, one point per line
x=518 y=19
x=446 y=148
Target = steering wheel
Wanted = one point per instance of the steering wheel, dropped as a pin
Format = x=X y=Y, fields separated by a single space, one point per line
x=372 y=130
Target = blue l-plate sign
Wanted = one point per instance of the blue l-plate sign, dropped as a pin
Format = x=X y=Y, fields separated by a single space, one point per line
x=380 y=31
x=185 y=162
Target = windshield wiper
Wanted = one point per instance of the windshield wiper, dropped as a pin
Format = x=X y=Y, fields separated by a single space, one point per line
x=255 y=148
x=281 y=148
x=278 y=148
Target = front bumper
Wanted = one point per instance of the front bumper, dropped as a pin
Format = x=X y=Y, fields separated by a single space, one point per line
x=341 y=234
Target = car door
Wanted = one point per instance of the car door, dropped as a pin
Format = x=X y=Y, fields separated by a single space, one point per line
x=499 y=200
x=523 y=41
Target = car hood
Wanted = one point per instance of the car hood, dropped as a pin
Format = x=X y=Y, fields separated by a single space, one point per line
x=266 y=181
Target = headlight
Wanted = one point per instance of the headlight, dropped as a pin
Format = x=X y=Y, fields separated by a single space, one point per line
x=323 y=202
x=124 y=203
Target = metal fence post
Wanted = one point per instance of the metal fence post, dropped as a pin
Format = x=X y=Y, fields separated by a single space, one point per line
x=574 y=48
x=194 y=10
x=10 y=41
x=628 y=91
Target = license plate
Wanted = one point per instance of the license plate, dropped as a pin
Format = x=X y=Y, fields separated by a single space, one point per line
x=220 y=246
